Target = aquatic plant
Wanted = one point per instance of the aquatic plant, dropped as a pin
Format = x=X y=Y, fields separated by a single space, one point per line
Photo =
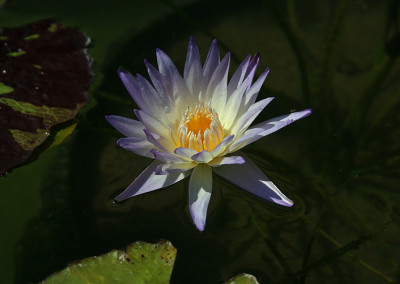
x=196 y=124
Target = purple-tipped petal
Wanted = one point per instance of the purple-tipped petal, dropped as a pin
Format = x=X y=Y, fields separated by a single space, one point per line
x=267 y=127
x=152 y=123
x=165 y=64
x=251 y=69
x=238 y=76
x=231 y=160
x=185 y=152
x=169 y=168
x=235 y=102
x=211 y=62
x=148 y=181
x=200 y=188
x=157 y=141
x=155 y=103
x=222 y=145
x=180 y=93
x=253 y=134
x=251 y=94
x=291 y=117
x=128 y=127
x=193 y=73
x=161 y=84
x=132 y=86
x=202 y=157
x=248 y=117
x=249 y=177
x=217 y=88
x=139 y=146
x=167 y=157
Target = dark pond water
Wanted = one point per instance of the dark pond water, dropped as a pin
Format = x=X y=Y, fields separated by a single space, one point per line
x=340 y=165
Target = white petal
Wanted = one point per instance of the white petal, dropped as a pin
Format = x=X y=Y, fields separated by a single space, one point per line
x=156 y=104
x=165 y=64
x=287 y=117
x=244 y=121
x=148 y=181
x=202 y=157
x=159 y=142
x=234 y=103
x=132 y=85
x=217 y=88
x=139 y=146
x=160 y=82
x=168 y=168
x=238 y=76
x=181 y=94
x=251 y=94
x=211 y=62
x=249 y=177
x=128 y=127
x=185 y=152
x=267 y=127
x=193 y=72
x=253 y=134
x=200 y=188
x=152 y=123
x=221 y=147
x=167 y=157
x=219 y=161
x=251 y=69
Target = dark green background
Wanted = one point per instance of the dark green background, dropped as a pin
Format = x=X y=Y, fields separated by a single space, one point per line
x=341 y=165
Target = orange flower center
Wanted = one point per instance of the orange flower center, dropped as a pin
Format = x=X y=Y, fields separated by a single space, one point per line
x=200 y=129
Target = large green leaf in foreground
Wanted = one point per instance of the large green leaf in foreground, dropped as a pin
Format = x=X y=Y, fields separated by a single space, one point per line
x=140 y=263
x=44 y=75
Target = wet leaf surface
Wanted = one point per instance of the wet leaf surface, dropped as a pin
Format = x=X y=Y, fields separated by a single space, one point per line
x=243 y=279
x=140 y=263
x=44 y=75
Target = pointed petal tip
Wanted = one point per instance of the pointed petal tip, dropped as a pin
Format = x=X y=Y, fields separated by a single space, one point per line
x=200 y=227
x=121 y=70
x=121 y=197
x=122 y=73
x=199 y=222
x=287 y=202
x=160 y=52
x=309 y=111
x=117 y=199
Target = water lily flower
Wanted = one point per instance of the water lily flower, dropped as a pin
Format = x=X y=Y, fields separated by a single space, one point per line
x=194 y=125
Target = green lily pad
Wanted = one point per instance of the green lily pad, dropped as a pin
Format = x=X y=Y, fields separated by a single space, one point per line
x=140 y=262
x=44 y=75
x=243 y=279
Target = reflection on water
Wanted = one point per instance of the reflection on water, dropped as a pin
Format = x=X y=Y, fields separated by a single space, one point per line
x=340 y=165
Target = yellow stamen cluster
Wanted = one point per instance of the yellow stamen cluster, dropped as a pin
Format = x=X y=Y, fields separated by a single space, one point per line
x=200 y=129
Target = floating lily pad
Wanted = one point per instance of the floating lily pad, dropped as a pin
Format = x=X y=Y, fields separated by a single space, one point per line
x=140 y=263
x=44 y=75
x=243 y=279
